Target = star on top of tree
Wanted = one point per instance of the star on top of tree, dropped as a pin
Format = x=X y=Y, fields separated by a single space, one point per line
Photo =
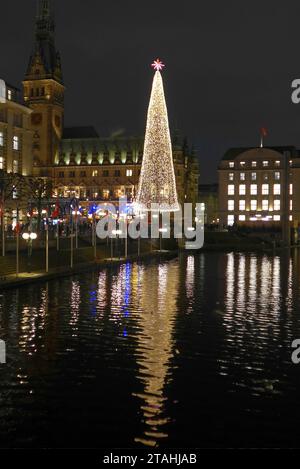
x=157 y=65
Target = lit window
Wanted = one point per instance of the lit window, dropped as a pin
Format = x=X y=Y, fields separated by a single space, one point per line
x=265 y=189
x=277 y=176
x=253 y=189
x=291 y=189
x=242 y=163
x=242 y=176
x=230 y=220
x=265 y=204
x=14 y=193
x=276 y=189
x=253 y=176
x=276 y=218
x=276 y=205
x=128 y=172
x=95 y=173
x=242 y=205
x=230 y=205
x=1 y=139
x=242 y=217
x=254 y=164
x=230 y=189
x=242 y=189
x=9 y=95
x=15 y=166
x=231 y=176
x=231 y=164
x=265 y=163
x=291 y=217
x=291 y=205
x=16 y=143
x=1 y=162
x=277 y=163
x=253 y=204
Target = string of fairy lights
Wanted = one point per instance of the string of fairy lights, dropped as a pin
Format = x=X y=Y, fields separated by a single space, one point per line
x=157 y=184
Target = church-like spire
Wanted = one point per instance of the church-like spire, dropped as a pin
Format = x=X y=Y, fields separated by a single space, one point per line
x=45 y=60
x=44 y=25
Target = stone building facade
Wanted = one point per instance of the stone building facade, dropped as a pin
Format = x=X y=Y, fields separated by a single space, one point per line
x=260 y=187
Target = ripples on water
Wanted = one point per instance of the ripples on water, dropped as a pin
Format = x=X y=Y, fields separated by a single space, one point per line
x=193 y=352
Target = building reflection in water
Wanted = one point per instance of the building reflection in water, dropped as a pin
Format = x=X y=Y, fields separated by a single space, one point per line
x=258 y=290
x=156 y=316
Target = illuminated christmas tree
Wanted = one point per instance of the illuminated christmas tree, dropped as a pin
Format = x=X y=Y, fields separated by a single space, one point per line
x=157 y=184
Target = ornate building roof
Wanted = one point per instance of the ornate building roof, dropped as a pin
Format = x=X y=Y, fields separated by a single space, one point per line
x=45 y=61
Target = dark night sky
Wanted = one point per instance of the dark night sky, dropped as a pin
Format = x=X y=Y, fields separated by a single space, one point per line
x=229 y=66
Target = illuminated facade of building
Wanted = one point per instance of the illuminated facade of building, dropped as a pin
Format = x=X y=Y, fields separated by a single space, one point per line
x=260 y=187
x=15 y=134
x=81 y=164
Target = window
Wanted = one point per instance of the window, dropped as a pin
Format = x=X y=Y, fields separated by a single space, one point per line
x=230 y=220
x=61 y=174
x=230 y=205
x=231 y=176
x=254 y=164
x=72 y=174
x=16 y=143
x=242 y=176
x=242 y=163
x=253 y=176
x=1 y=139
x=9 y=95
x=242 y=205
x=105 y=173
x=253 y=189
x=1 y=162
x=128 y=172
x=231 y=164
x=291 y=205
x=276 y=189
x=277 y=176
x=253 y=204
x=15 y=166
x=95 y=173
x=117 y=173
x=242 y=189
x=83 y=174
x=276 y=205
x=265 y=189
x=265 y=204
x=14 y=193
x=230 y=190
x=265 y=163
x=242 y=217
x=277 y=163
x=276 y=218
x=291 y=189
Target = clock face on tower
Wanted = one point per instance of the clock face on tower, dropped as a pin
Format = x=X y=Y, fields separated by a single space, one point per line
x=36 y=118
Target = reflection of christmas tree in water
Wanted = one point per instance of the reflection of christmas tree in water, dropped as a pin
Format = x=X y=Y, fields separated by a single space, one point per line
x=157 y=184
x=156 y=346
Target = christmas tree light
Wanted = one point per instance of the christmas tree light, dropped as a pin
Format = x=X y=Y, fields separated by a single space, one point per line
x=157 y=184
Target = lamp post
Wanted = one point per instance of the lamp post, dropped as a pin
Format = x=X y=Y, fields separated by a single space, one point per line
x=47 y=246
x=116 y=233
x=161 y=230
x=29 y=237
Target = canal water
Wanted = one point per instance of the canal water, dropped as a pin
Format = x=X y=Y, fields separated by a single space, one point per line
x=190 y=352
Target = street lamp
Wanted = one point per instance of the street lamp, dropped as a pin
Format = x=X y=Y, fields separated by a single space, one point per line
x=29 y=237
x=161 y=230
x=115 y=233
